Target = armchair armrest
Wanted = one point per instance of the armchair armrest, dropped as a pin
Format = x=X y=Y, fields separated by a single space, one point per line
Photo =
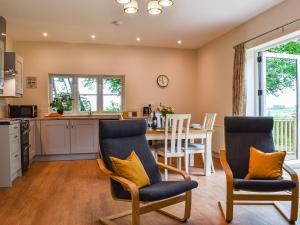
x=129 y=185
x=291 y=172
x=226 y=167
x=173 y=169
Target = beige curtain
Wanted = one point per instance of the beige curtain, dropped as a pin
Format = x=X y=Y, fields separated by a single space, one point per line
x=239 y=89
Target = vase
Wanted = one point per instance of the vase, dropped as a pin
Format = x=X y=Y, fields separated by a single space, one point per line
x=60 y=111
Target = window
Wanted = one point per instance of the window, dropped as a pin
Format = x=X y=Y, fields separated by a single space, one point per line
x=62 y=86
x=112 y=94
x=85 y=93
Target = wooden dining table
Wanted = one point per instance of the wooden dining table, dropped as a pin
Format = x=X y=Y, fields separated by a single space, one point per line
x=206 y=135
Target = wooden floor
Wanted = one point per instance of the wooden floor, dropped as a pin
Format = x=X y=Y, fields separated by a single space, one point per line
x=74 y=193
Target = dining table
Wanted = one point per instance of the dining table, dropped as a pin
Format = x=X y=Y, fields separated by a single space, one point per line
x=204 y=134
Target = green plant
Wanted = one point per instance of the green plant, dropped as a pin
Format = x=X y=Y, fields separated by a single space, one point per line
x=62 y=102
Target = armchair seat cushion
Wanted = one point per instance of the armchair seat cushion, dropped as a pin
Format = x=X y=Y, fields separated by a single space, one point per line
x=162 y=190
x=263 y=185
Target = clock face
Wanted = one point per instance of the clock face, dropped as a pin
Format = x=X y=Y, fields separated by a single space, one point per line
x=162 y=81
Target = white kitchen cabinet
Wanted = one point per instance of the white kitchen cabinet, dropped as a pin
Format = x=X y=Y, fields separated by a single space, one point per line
x=69 y=137
x=19 y=76
x=84 y=136
x=10 y=154
x=32 y=137
x=55 y=137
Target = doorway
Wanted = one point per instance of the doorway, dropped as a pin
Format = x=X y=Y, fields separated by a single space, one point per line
x=278 y=93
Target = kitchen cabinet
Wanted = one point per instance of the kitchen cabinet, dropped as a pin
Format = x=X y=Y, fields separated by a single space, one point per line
x=2 y=50
x=84 y=136
x=10 y=154
x=13 y=75
x=69 y=137
x=32 y=142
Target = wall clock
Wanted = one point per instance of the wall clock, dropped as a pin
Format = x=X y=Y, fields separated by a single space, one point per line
x=162 y=81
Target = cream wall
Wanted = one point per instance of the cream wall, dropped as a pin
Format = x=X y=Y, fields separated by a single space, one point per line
x=215 y=60
x=140 y=65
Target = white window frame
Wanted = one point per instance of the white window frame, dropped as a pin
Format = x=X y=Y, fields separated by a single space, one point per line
x=75 y=91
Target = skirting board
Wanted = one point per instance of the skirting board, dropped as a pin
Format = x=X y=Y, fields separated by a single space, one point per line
x=44 y=158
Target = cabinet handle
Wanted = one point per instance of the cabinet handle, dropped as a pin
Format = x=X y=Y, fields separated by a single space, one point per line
x=67 y=125
x=16 y=127
x=16 y=136
x=72 y=125
x=16 y=155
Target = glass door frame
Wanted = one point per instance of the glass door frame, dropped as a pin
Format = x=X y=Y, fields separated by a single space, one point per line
x=261 y=86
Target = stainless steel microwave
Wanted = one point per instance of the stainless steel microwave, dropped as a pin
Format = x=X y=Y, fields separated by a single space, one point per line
x=22 y=111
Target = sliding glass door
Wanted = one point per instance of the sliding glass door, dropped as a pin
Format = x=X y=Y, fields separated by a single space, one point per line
x=278 y=96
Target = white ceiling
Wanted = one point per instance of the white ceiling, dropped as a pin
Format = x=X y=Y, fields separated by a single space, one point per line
x=195 y=22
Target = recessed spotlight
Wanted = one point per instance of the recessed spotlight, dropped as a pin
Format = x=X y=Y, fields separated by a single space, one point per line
x=179 y=42
x=138 y=39
x=117 y=22
x=45 y=34
x=93 y=36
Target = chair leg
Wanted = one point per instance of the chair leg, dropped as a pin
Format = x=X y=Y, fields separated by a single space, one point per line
x=179 y=163
x=212 y=165
x=294 y=205
x=186 y=162
x=135 y=204
x=166 y=171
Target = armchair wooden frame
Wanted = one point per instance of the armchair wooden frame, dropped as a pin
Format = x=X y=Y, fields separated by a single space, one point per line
x=232 y=198
x=136 y=209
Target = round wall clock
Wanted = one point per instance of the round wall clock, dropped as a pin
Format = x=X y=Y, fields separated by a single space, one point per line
x=162 y=81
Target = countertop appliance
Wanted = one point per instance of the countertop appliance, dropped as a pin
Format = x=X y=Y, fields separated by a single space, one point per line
x=25 y=146
x=22 y=111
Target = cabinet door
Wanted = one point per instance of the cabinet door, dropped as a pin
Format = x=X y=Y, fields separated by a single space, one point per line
x=19 y=75
x=55 y=136
x=1 y=66
x=32 y=140
x=84 y=136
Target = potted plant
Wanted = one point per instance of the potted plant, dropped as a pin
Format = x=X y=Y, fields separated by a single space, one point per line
x=61 y=103
x=164 y=110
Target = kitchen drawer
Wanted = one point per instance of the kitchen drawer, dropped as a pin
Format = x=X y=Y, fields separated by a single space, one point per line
x=14 y=129
x=14 y=143
x=15 y=163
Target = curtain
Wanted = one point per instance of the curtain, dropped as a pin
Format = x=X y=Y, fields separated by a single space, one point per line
x=239 y=89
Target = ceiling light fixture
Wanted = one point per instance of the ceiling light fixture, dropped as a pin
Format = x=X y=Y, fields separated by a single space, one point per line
x=45 y=34
x=179 y=42
x=93 y=36
x=131 y=7
x=154 y=8
x=138 y=39
x=123 y=1
x=165 y=3
x=3 y=34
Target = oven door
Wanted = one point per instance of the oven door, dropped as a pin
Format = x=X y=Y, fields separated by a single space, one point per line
x=25 y=157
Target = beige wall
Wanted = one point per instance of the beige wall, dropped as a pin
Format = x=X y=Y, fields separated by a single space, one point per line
x=140 y=65
x=215 y=60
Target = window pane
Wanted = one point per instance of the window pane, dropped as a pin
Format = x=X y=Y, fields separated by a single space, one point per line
x=62 y=93
x=111 y=103
x=112 y=86
x=87 y=102
x=87 y=94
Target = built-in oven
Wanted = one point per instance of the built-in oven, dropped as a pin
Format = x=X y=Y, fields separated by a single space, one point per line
x=25 y=146
x=22 y=111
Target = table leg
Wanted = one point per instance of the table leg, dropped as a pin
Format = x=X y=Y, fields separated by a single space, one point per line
x=207 y=154
x=191 y=155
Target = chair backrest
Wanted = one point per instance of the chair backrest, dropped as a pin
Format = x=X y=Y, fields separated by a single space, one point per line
x=240 y=134
x=180 y=124
x=209 y=121
x=118 y=138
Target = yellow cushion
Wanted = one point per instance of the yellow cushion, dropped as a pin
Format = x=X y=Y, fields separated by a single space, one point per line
x=265 y=165
x=131 y=169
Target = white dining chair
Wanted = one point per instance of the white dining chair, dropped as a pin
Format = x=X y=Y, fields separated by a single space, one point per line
x=200 y=148
x=174 y=145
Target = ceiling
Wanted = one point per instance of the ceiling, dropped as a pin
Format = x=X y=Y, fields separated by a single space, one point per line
x=195 y=22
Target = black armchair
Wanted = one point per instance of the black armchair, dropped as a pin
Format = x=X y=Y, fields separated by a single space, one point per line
x=240 y=134
x=118 y=139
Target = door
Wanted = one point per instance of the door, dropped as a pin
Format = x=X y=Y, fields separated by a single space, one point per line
x=278 y=97
x=84 y=136
x=55 y=137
